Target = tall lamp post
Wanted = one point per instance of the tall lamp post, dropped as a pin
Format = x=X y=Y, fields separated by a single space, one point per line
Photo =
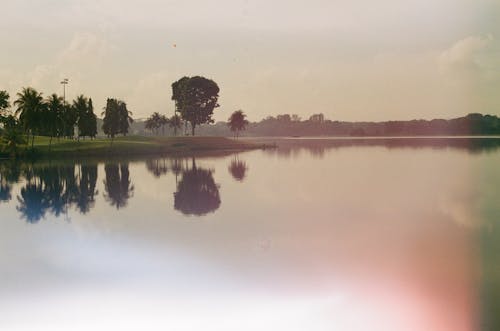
x=64 y=82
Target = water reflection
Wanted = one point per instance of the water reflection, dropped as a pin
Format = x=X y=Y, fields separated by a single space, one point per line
x=117 y=185
x=9 y=174
x=238 y=169
x=197 y=193
x=158 y=167
x=431 y=259
x=54 y=188
x=318 y=146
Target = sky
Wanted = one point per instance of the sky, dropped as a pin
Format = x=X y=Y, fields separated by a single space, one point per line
x=348 y=59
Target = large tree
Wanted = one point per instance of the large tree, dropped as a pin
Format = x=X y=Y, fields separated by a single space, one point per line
x=195 y=99
x=30 y=107
x=86 y=120
x=117 y=118
x=237 y=122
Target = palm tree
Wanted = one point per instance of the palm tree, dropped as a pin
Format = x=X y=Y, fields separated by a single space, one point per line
x=175 y=123
x=163 y=121
x=55 y=116
x=237 y=122
x=80 y=105
x=30 y=106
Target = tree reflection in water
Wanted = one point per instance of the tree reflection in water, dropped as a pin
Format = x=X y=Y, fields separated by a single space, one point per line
x=10 y=173
x=117 y=185
x=238 y=169
x=49 y=188
x=197 y=193
x=158 y=167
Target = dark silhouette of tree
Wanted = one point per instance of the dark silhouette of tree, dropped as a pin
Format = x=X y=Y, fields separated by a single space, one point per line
x=158 y=167
x=197 y=193
x=195 y=99
x=237 y=122
x=155 y=122
x=54 y=117
x=117 y=185
x=69 y=119
x=4 y=103
x=117 y=118
x=175 y=123
x=86 y=120
x=30 y=107
x=12 y=135
x=238 y=169
x=91 y=121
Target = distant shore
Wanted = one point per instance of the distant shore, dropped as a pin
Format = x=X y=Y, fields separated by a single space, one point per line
x=132 y=146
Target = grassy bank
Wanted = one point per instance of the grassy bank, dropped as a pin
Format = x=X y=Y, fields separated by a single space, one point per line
x=132 y=145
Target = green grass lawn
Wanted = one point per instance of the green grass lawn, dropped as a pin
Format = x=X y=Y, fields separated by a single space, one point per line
x=131 y=145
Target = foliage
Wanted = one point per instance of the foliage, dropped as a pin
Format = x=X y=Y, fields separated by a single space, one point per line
x=195 y=99
x=155 y=122
x=12 y=136
x=4 y=102
x=116 y=118
x=30 y=108
x=86 y=120
x=175 y=123
x=237 y=122
x=197 y=193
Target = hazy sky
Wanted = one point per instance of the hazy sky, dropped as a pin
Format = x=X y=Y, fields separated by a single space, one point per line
x=349 y=59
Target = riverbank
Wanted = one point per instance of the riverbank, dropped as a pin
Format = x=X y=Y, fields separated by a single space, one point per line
x=130 y=146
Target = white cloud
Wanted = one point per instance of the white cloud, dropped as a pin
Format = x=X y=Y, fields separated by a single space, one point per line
x=460 y=61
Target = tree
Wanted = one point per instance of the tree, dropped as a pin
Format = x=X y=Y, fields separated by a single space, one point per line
x=54 y=116
x=195 y=99
x=175 y=123
x=237 y=122
x=4 y=103
x=163 y=121
x=91 y=117
x=69 y=118
x=30 y=106
x=12 y=136
x=154 y=122
x=116 y=118
x=86 y=120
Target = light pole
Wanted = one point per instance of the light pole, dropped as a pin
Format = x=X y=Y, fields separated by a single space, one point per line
x=64 y=82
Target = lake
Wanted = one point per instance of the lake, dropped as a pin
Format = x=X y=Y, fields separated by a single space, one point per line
x=318 y=234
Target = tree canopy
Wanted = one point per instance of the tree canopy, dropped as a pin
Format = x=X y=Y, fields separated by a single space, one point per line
x=237 y=122
x=117 y=118
x=195 y=99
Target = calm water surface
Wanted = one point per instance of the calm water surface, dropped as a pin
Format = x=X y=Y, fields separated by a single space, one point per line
x=315 y=235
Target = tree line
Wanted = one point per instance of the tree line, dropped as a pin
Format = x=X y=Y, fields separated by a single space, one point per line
x=33 y=115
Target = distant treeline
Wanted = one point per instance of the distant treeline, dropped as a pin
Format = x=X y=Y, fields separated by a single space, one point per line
x=318 y=125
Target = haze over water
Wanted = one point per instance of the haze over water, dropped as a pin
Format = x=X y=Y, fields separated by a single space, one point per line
x=315 y=235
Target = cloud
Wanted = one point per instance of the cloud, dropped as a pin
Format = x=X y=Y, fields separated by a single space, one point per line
x=461 y=61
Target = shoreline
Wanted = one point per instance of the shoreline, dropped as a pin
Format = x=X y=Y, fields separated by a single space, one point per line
x=133 y=146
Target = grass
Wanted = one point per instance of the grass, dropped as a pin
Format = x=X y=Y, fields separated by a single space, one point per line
x=131 y=145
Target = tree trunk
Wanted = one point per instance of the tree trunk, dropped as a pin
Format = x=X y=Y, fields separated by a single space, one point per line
x=50 y=143
x=192 y=128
